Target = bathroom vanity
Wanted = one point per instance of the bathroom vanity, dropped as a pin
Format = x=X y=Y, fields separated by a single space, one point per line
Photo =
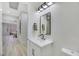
x=41 y=45
x=38 y=47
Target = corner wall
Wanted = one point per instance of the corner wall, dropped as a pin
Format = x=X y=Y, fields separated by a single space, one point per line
x=66 y=26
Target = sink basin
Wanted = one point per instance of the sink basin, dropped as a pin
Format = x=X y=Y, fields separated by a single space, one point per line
x=70 y=52
x=40 y=42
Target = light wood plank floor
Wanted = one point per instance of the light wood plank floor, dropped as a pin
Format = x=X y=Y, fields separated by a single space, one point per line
x=12 y=47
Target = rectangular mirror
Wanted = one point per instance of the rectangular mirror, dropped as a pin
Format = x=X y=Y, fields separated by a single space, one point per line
x=45 y=24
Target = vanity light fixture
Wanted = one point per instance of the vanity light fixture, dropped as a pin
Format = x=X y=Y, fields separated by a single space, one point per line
x=41 y=8
x=44 y=6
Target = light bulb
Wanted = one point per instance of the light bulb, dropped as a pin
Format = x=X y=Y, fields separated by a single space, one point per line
x=41 y=9
x=49 y=3
x=38 y=11
x=44 y=6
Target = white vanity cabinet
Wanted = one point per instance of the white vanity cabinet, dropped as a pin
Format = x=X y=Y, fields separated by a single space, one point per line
x=33 y=50
x=36 y=50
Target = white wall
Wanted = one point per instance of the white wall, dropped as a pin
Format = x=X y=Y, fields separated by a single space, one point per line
x=33 y=18
x=0 y=29
x=9 y=15
x=65 y=26
x=8 y=10
x=22 y=37
x=9 y=19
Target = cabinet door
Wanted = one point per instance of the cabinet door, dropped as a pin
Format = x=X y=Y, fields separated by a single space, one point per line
x=47 y=50
x=33 y=50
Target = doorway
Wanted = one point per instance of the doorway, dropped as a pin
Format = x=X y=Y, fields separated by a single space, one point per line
x=9 y=35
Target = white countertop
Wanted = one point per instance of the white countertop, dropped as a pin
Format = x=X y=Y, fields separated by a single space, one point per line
x=40 y=42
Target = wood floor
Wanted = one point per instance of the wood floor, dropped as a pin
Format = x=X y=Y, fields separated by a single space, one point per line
x=12 y=47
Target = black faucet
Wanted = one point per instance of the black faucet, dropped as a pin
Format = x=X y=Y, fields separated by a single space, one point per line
x=42 y=36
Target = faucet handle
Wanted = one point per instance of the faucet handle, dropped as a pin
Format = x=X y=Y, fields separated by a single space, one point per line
x=40 y=34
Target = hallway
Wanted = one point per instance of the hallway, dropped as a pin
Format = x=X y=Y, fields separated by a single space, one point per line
x=12 y=47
